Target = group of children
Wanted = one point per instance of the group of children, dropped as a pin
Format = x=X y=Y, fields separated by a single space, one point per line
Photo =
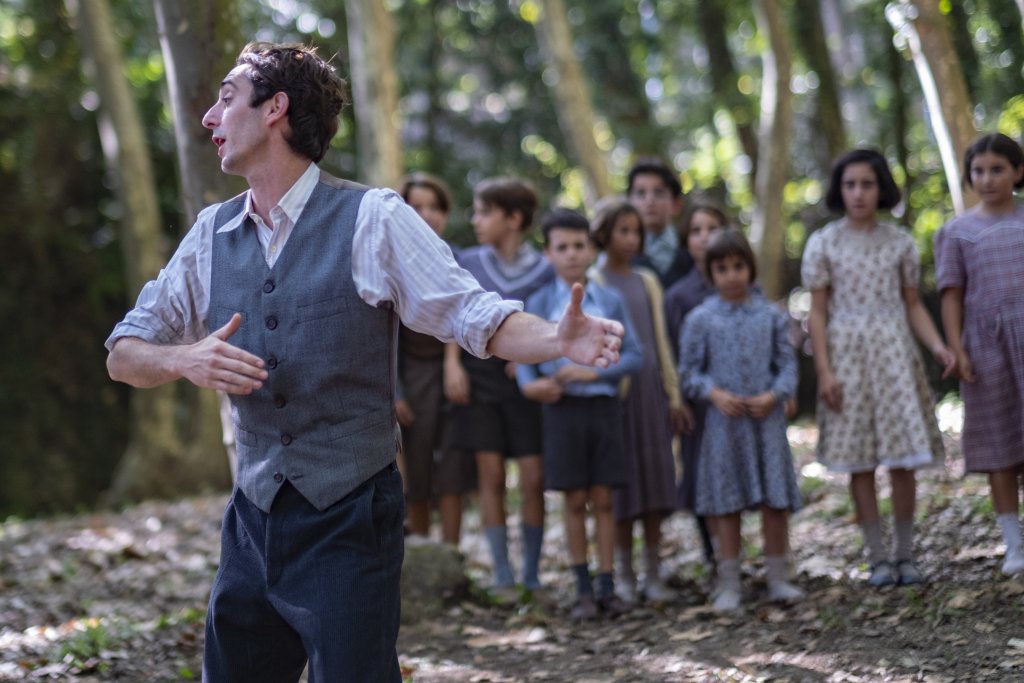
x=707 y=358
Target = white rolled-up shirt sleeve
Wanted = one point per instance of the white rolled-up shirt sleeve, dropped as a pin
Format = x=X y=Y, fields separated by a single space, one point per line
x=397 y=259
x=173 y=308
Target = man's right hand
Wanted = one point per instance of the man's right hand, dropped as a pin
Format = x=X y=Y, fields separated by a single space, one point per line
x=215 y=364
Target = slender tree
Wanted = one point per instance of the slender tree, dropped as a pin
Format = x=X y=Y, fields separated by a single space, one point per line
x=767 y=230
x=572 y=102
x=811 y=40
x=725 y=78
x=371 y=38
x=199 y=40
x=923 y=27
x=148 y=466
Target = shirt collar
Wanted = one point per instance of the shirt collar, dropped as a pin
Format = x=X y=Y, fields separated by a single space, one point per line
x=292 y=203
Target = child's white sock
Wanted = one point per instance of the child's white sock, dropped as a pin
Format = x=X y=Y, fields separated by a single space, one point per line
x=1009 y=524
x=873 y=541
x=903 y=540
x=777 y=575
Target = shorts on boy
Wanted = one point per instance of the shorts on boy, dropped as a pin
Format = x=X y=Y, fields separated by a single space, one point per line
x=584 y=444
x=498 y=417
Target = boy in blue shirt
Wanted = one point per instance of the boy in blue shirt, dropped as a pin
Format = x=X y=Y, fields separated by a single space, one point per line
x=583 y=445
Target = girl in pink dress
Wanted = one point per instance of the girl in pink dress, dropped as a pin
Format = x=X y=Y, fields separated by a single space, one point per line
x=980 y=257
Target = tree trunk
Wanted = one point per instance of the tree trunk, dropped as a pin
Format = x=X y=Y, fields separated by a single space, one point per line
x=624 y=100
x=199 y=41
x=149 y=464
x=963 y=42
x=767 y=230
x=927 y=36
x=572 y=103
x=711 y=20
x=371 y=38
x=811 y=36
x=899 y=128
x=1008 y=15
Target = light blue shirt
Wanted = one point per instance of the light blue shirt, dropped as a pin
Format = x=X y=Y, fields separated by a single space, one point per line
x=549 y=302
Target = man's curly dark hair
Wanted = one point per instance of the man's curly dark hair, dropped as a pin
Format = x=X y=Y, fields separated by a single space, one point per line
x=316 y=93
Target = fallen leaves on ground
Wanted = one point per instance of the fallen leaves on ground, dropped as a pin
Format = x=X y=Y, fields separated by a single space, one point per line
x=122 y=596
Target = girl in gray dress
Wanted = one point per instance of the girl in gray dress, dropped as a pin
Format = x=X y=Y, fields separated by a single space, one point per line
x=653 y=406
x=745 y=461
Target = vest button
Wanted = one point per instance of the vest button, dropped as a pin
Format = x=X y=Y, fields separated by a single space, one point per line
x=271 y=323
x=279 y=401
x=278 y=477
x=286 y=439
x=268 y=286
x=272 y=362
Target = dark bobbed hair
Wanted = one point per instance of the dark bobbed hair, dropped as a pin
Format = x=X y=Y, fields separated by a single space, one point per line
x=655 y=166
x=606 y=215
x=430 y=182
x=561 y=218
x=730 y=242
x=316 y=93
x=704 y=206
x=996 y=143
x=888 y=192
x=510 y=195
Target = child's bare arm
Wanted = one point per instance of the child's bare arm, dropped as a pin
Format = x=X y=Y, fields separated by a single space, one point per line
x=829 y=388
x=456 y=381
x=924 y=328
x=953 y=324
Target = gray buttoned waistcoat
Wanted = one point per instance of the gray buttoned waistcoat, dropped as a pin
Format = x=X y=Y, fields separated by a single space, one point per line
x=324 y=418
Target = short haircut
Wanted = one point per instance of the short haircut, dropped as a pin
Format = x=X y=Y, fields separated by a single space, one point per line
x=509 y=195
x=996 y=143
x=316 y=93
x=888 y=192
x=730 y=242
x=706 y=207
x=561 y=218
x=430 y=182
x=609 y=211
x=655 y=166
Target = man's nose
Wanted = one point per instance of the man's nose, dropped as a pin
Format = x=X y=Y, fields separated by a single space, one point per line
x=209 y=119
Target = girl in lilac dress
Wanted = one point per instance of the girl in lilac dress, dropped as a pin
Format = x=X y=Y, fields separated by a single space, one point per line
x=980 y=257
x=653 y=405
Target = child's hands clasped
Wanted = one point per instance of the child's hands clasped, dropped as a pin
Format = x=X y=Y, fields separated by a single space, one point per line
x=574 y=373
x=543 y=390
x=964 y=369
x=760 y=405
x=729 y=403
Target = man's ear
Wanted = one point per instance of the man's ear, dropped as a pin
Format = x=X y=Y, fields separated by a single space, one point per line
x=277 y=108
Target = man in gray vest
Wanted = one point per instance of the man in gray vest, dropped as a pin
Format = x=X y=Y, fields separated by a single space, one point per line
x=302 y=280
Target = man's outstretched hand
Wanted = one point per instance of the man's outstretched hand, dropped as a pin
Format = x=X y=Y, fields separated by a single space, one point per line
x=585 y=339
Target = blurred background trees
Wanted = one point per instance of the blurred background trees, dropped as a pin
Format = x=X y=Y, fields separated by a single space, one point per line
x=465 y=89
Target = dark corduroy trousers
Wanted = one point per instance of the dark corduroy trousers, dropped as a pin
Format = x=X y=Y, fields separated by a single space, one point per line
x=299 y=584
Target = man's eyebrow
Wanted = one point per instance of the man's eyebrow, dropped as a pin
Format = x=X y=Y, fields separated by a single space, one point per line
x=228 y=82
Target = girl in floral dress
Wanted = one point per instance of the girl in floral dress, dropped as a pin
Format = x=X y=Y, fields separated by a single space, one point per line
x=875 y=406
x=980 y=258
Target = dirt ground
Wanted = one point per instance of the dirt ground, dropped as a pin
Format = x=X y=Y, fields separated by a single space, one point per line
x=122 y=596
